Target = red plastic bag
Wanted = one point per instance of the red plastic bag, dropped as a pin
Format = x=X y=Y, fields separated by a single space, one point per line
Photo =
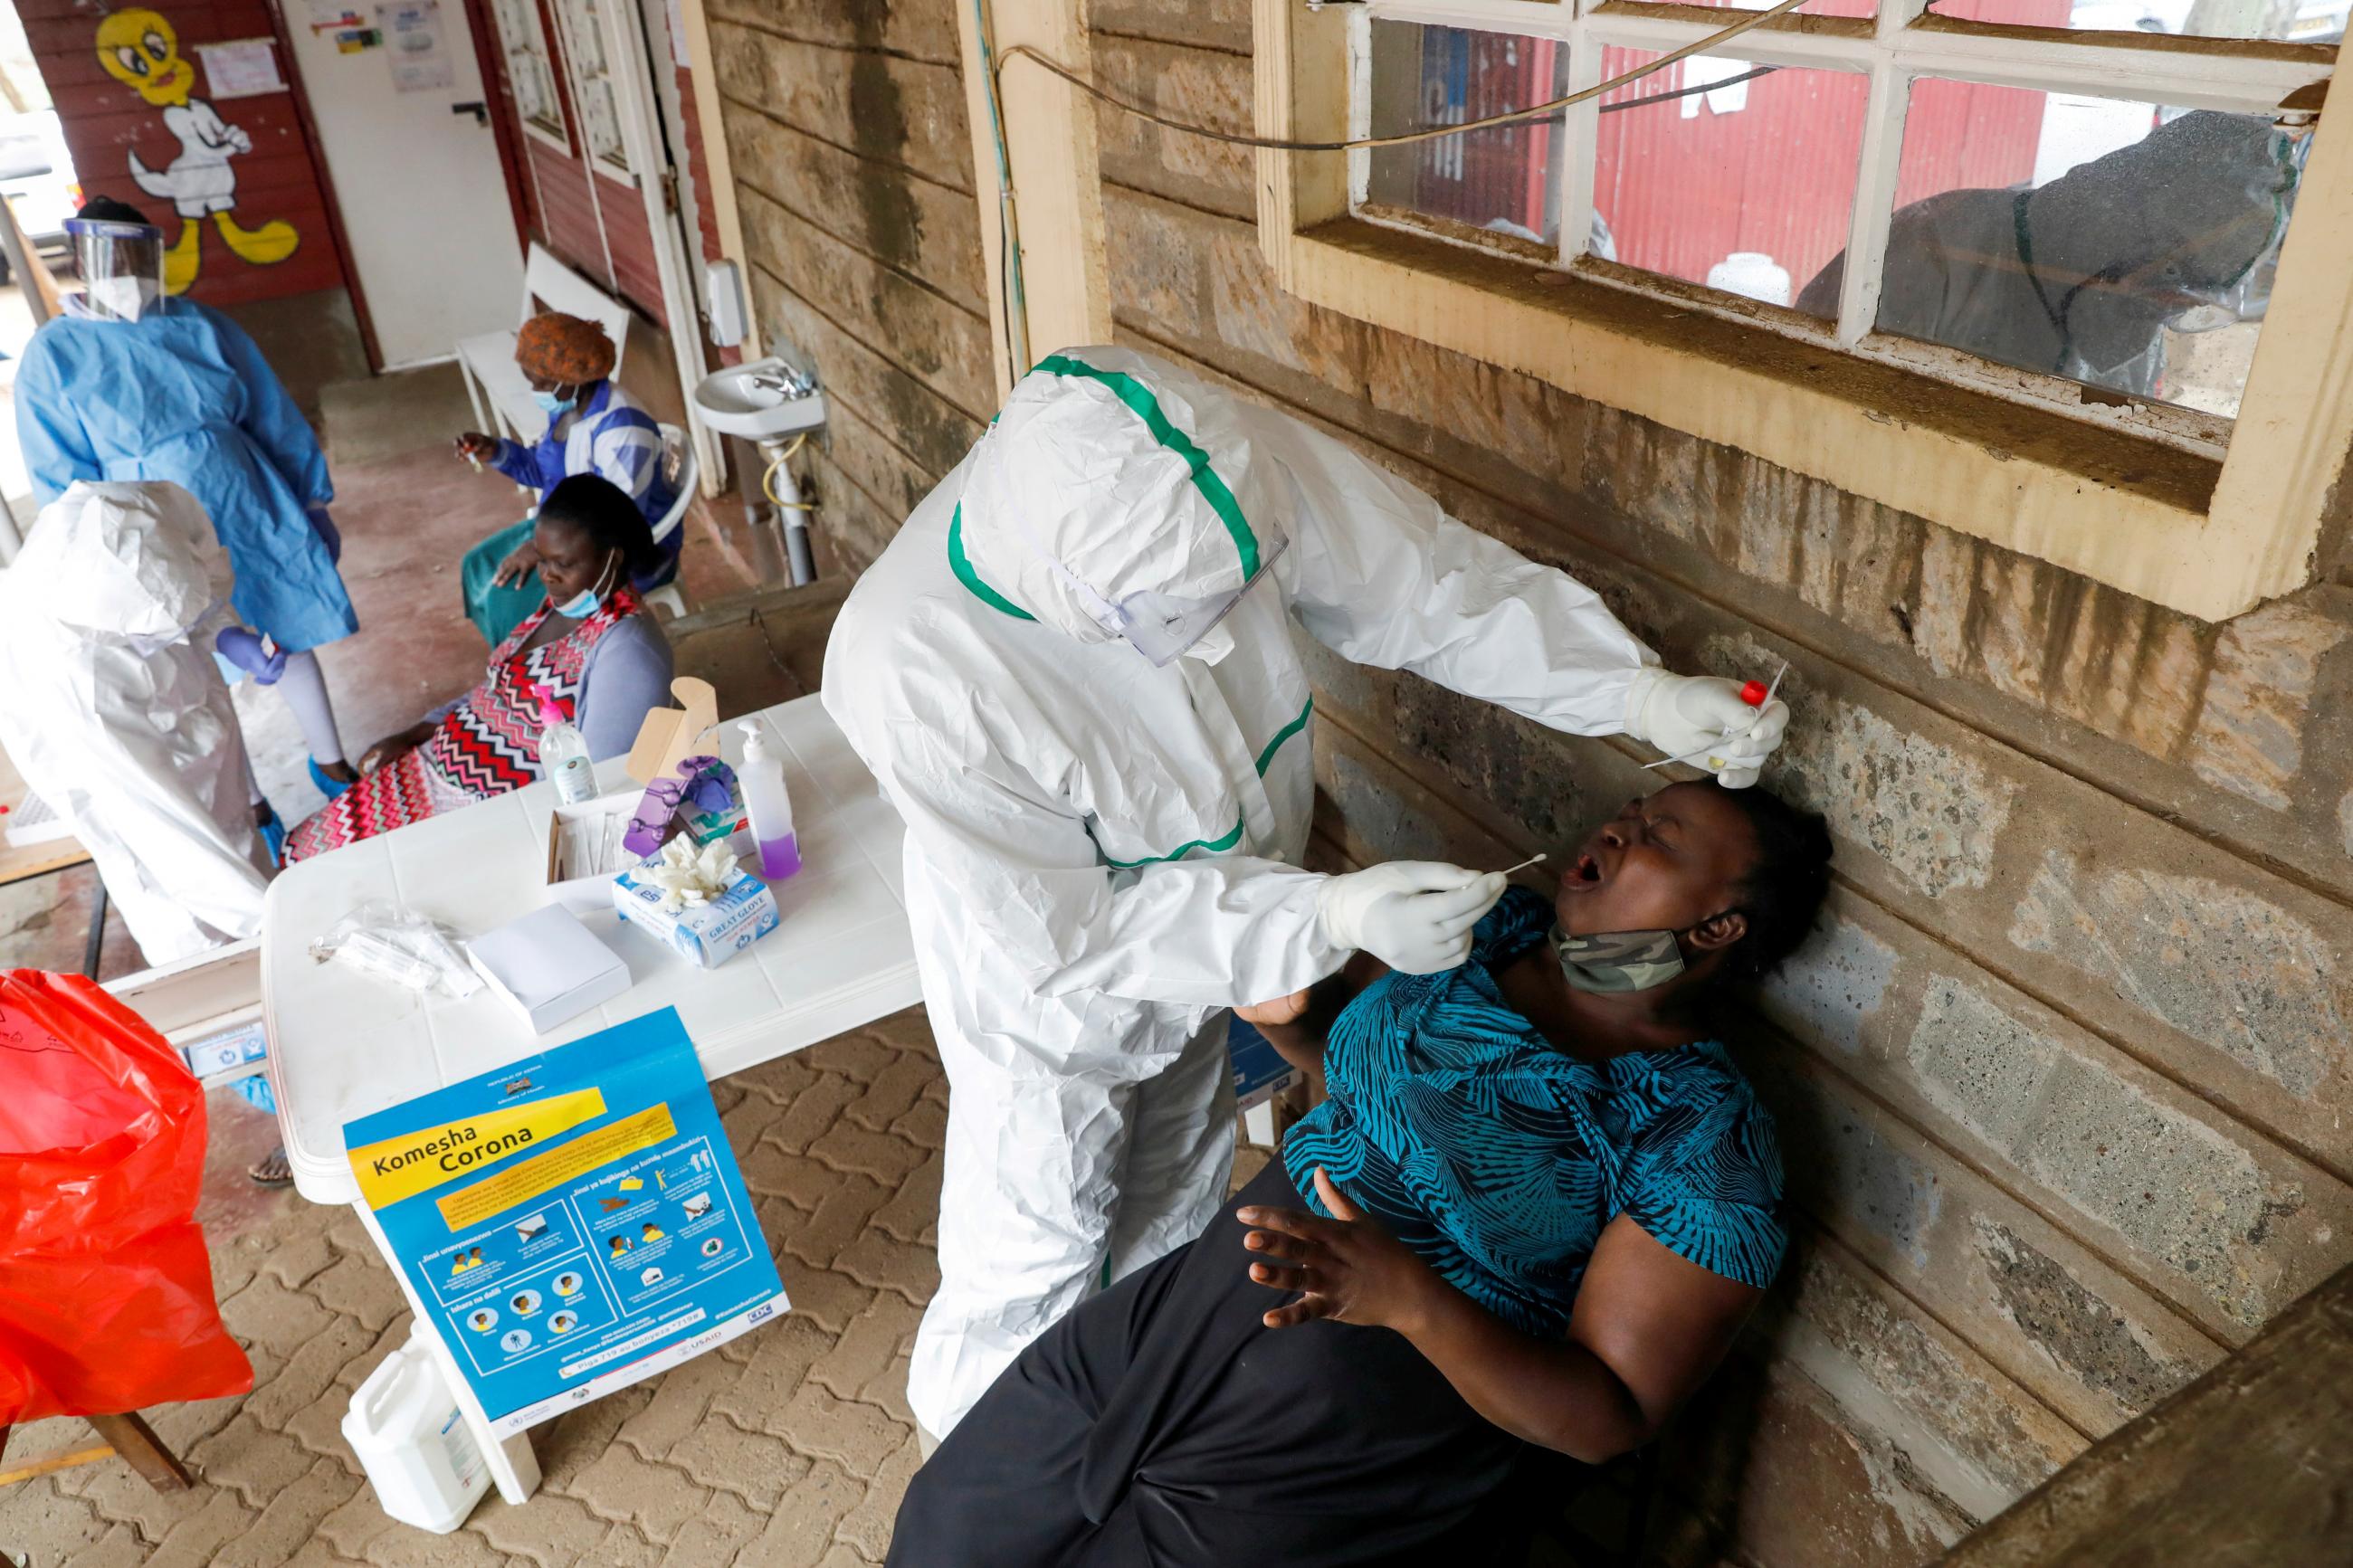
x=106 y=1293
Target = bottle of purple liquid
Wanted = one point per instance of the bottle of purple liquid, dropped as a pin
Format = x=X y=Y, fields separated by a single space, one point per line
x=769 y=806
x=780 y=856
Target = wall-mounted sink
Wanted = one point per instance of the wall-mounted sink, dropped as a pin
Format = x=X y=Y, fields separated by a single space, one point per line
x=761 y=401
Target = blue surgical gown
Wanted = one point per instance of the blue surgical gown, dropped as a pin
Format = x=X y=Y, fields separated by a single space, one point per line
x=183 y=395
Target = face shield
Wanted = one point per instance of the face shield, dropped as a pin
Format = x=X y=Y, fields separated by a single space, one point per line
x=1163 y=628
x=122 y=266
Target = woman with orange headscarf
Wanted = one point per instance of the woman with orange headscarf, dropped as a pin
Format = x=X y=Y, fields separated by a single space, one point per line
x=593 y=428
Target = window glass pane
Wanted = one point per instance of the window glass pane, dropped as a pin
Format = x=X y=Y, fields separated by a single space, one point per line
x=2122 y=244
x=2303 y=21
x=524 y=44
x=592 y=87
x=1498 y=181
x=1742 y=185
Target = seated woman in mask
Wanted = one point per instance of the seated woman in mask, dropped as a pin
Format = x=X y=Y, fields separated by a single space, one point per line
x=1537 y=1207
x=593 y=428
x=589 y=646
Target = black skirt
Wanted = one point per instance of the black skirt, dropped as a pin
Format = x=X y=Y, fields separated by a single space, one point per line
x=1161 y=1424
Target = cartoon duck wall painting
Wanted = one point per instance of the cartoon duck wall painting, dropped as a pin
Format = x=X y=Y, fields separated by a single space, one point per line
x=140 y=49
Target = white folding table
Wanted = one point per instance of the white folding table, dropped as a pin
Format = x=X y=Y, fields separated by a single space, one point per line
x=343 y=1044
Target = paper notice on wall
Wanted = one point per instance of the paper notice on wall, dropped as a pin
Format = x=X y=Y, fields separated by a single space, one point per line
x=240 y=68
x=420 y=61
x=334 y=16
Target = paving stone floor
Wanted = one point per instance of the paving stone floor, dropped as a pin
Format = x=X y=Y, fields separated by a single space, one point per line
x=790 y=1446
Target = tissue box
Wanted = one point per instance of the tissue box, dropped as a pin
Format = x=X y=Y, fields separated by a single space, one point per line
x=708 y=933
x=547 y=966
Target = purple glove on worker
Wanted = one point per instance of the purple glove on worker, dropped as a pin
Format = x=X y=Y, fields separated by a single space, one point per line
x=243 y=648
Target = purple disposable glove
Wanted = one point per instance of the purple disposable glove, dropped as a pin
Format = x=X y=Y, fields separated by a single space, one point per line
x=242 y=647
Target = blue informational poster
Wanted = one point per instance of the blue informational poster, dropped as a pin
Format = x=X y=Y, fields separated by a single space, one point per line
x=574 y=1222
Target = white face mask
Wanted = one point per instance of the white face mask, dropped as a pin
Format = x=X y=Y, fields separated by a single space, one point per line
x=124 y=298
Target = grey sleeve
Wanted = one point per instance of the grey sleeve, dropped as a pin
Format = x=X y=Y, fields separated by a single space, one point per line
x=627 y=675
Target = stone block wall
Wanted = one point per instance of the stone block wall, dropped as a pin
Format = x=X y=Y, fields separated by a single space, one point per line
x=2062 y=1081
x=845 y=123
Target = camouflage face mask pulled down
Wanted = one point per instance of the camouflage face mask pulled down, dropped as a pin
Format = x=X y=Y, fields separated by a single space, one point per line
x=1618 y=961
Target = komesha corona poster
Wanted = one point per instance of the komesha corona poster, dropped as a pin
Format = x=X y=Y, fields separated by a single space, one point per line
x=574 y=1222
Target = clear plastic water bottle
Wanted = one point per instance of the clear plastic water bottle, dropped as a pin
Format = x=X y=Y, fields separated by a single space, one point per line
x=769 y=806
x=564 y=753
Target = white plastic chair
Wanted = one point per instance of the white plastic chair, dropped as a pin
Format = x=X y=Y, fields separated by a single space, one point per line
x=501 y=398
x=679 y=466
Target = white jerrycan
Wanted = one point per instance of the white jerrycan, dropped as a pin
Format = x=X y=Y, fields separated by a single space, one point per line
x=415 y=1448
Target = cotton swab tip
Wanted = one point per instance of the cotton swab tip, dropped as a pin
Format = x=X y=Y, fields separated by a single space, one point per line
x=1531 y=860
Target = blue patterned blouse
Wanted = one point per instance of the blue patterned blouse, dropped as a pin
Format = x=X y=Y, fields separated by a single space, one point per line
x=1500 y=1159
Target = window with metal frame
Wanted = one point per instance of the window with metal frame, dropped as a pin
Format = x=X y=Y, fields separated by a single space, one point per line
x=522 y=41
x=2077 y=205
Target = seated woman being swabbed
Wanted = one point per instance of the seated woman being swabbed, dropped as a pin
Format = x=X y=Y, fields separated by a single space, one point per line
x=1537 y=1207
x=589 y=648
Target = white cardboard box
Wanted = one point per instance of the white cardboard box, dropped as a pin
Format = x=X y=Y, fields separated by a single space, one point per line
x=586 y=892
x=548 y=966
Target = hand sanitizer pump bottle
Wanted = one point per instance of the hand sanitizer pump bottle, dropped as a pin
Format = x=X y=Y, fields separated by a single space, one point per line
x=762 y=778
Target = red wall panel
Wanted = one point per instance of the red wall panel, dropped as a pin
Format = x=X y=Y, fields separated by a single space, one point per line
x=104 y=122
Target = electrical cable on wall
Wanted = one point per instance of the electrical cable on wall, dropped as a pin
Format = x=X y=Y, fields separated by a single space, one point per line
x=768 y=476
x=1017 y=309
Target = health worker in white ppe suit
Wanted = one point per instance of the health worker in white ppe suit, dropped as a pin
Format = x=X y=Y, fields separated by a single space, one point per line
x=116 y=714
x=1072 y=672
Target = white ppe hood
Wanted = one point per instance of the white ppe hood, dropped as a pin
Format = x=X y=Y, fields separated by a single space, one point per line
x=118 y=563
x=1112 y=482
x=117 y=717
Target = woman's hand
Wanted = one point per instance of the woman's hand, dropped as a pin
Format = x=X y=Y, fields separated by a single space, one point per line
x=477 y=448
x=1275 y=1014
x=520 y=564
x=1350 y=1269
x=390 y=748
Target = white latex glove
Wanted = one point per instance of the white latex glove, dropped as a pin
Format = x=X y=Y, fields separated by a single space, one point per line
x=1413 y=915
x=1701 y=720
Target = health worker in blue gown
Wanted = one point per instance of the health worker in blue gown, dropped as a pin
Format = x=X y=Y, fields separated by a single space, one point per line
x=127 y=383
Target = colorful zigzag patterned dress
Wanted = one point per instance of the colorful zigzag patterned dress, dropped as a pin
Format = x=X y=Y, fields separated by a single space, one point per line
x=488 y=744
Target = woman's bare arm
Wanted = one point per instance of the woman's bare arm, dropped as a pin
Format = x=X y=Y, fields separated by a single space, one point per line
x=1649 y=1327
